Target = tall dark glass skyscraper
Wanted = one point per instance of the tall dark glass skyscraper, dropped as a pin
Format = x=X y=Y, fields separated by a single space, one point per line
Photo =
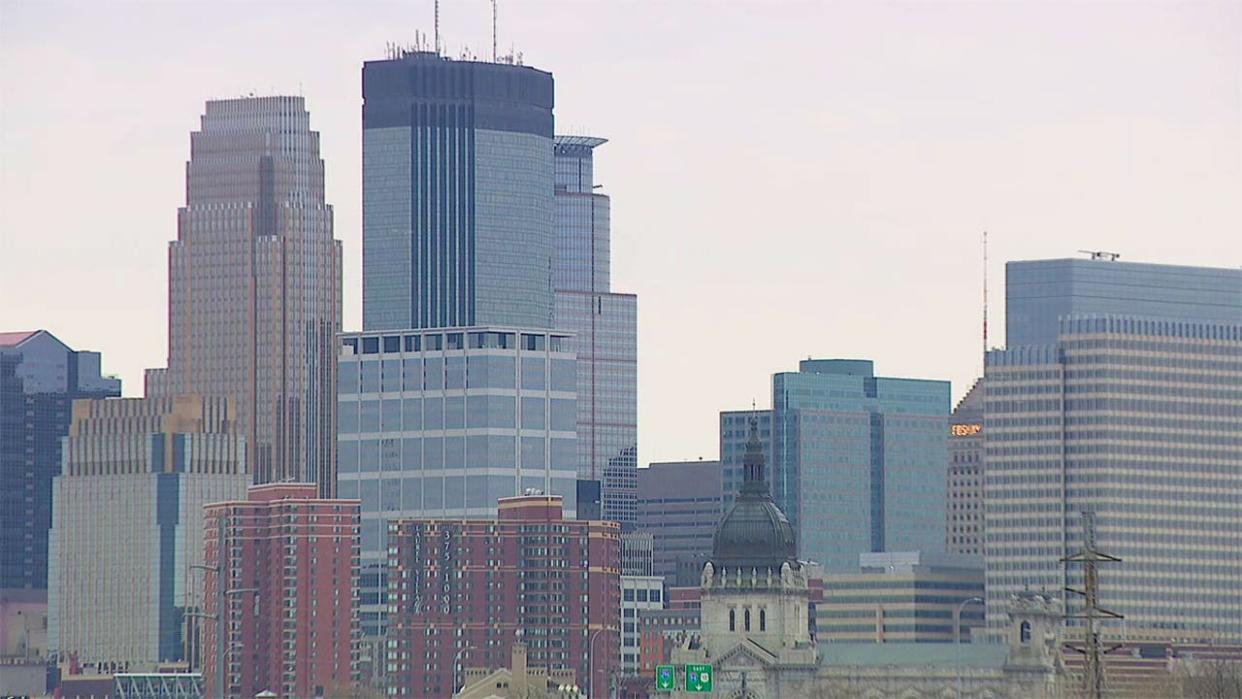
x=39 y=379
x=457 y=203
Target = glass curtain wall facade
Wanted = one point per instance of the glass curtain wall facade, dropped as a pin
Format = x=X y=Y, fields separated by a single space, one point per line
x=128 y=525
x=605 y=327
x=442 y=424
x=457 y=202
x=860 y=460
x=604 y=340
x=1040 y=292
x=40 y=377
x=255 y=285
x=1140 y=421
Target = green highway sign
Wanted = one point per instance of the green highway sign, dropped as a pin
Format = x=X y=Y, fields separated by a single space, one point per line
x=666 y=678
x=698 y=678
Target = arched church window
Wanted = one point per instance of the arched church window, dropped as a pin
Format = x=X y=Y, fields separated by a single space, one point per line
x=763 y=620
x=732 y=620
x=748 y=620
x=1024 y=633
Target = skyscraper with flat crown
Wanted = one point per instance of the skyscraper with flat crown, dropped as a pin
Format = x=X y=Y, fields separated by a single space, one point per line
x=255 y=285
x=457 y=226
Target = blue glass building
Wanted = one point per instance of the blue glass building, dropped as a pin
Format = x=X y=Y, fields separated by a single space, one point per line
x=605 y=334
x=457 y=193
x=860 y=460
x=1038 y=293
x=40 y=377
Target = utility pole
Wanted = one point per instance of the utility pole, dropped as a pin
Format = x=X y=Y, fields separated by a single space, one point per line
x=1089 y=556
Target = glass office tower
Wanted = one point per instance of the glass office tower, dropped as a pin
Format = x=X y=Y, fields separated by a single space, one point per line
x=457 y=209
x=860 y=460
x=441 y=424
x=1040 y=292
x=605 y=327
x=1138 y=420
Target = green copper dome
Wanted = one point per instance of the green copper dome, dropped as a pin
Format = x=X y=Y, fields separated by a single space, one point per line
x=754 y=533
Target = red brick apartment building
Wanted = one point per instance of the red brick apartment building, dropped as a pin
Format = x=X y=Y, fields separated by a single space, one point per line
x=460 y=591
x=290 y=567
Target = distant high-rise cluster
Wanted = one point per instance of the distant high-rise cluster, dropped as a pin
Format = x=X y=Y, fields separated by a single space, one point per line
x=456 y=484
x=254 y=290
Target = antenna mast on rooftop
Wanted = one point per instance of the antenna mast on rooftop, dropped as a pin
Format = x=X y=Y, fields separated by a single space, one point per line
x=1102 y=255
x=437 y=26
x=494 y=51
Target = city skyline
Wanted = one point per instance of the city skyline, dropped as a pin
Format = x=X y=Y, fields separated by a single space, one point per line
x=1153 y=119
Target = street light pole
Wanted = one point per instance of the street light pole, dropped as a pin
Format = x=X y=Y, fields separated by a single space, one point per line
x=221 y=597
x=456 y=658
x=957 y=641
x=591 y=662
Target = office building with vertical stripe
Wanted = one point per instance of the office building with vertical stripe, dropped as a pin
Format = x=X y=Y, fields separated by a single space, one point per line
x=127 y=524
x=457 y=209
x=254 y=293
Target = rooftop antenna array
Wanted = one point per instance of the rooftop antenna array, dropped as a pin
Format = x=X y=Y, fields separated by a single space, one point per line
x=494 y=52
x=437 y=25
x=1102 y=255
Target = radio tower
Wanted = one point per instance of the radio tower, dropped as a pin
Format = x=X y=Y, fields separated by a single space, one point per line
x=1089 y=556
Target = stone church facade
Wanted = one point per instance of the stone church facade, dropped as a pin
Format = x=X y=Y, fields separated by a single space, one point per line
x=755 y=628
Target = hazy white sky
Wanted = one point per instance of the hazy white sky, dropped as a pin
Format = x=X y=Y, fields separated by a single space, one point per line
x=788 y=179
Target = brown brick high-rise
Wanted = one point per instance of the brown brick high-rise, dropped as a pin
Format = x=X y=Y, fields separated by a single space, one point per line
x=474 y=584
x=300 y=632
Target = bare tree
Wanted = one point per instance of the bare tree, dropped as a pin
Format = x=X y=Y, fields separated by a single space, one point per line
x=1212 y=679
x=347 y=691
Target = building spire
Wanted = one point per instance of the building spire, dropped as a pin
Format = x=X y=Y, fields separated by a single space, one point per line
x=753 y=478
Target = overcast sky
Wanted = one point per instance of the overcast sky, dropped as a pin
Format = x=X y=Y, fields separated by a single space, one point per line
x=787 y=179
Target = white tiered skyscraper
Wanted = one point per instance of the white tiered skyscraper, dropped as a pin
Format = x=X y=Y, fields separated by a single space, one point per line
x=255 y=285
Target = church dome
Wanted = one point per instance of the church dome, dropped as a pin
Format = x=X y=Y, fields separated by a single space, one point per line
x=754 y=533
